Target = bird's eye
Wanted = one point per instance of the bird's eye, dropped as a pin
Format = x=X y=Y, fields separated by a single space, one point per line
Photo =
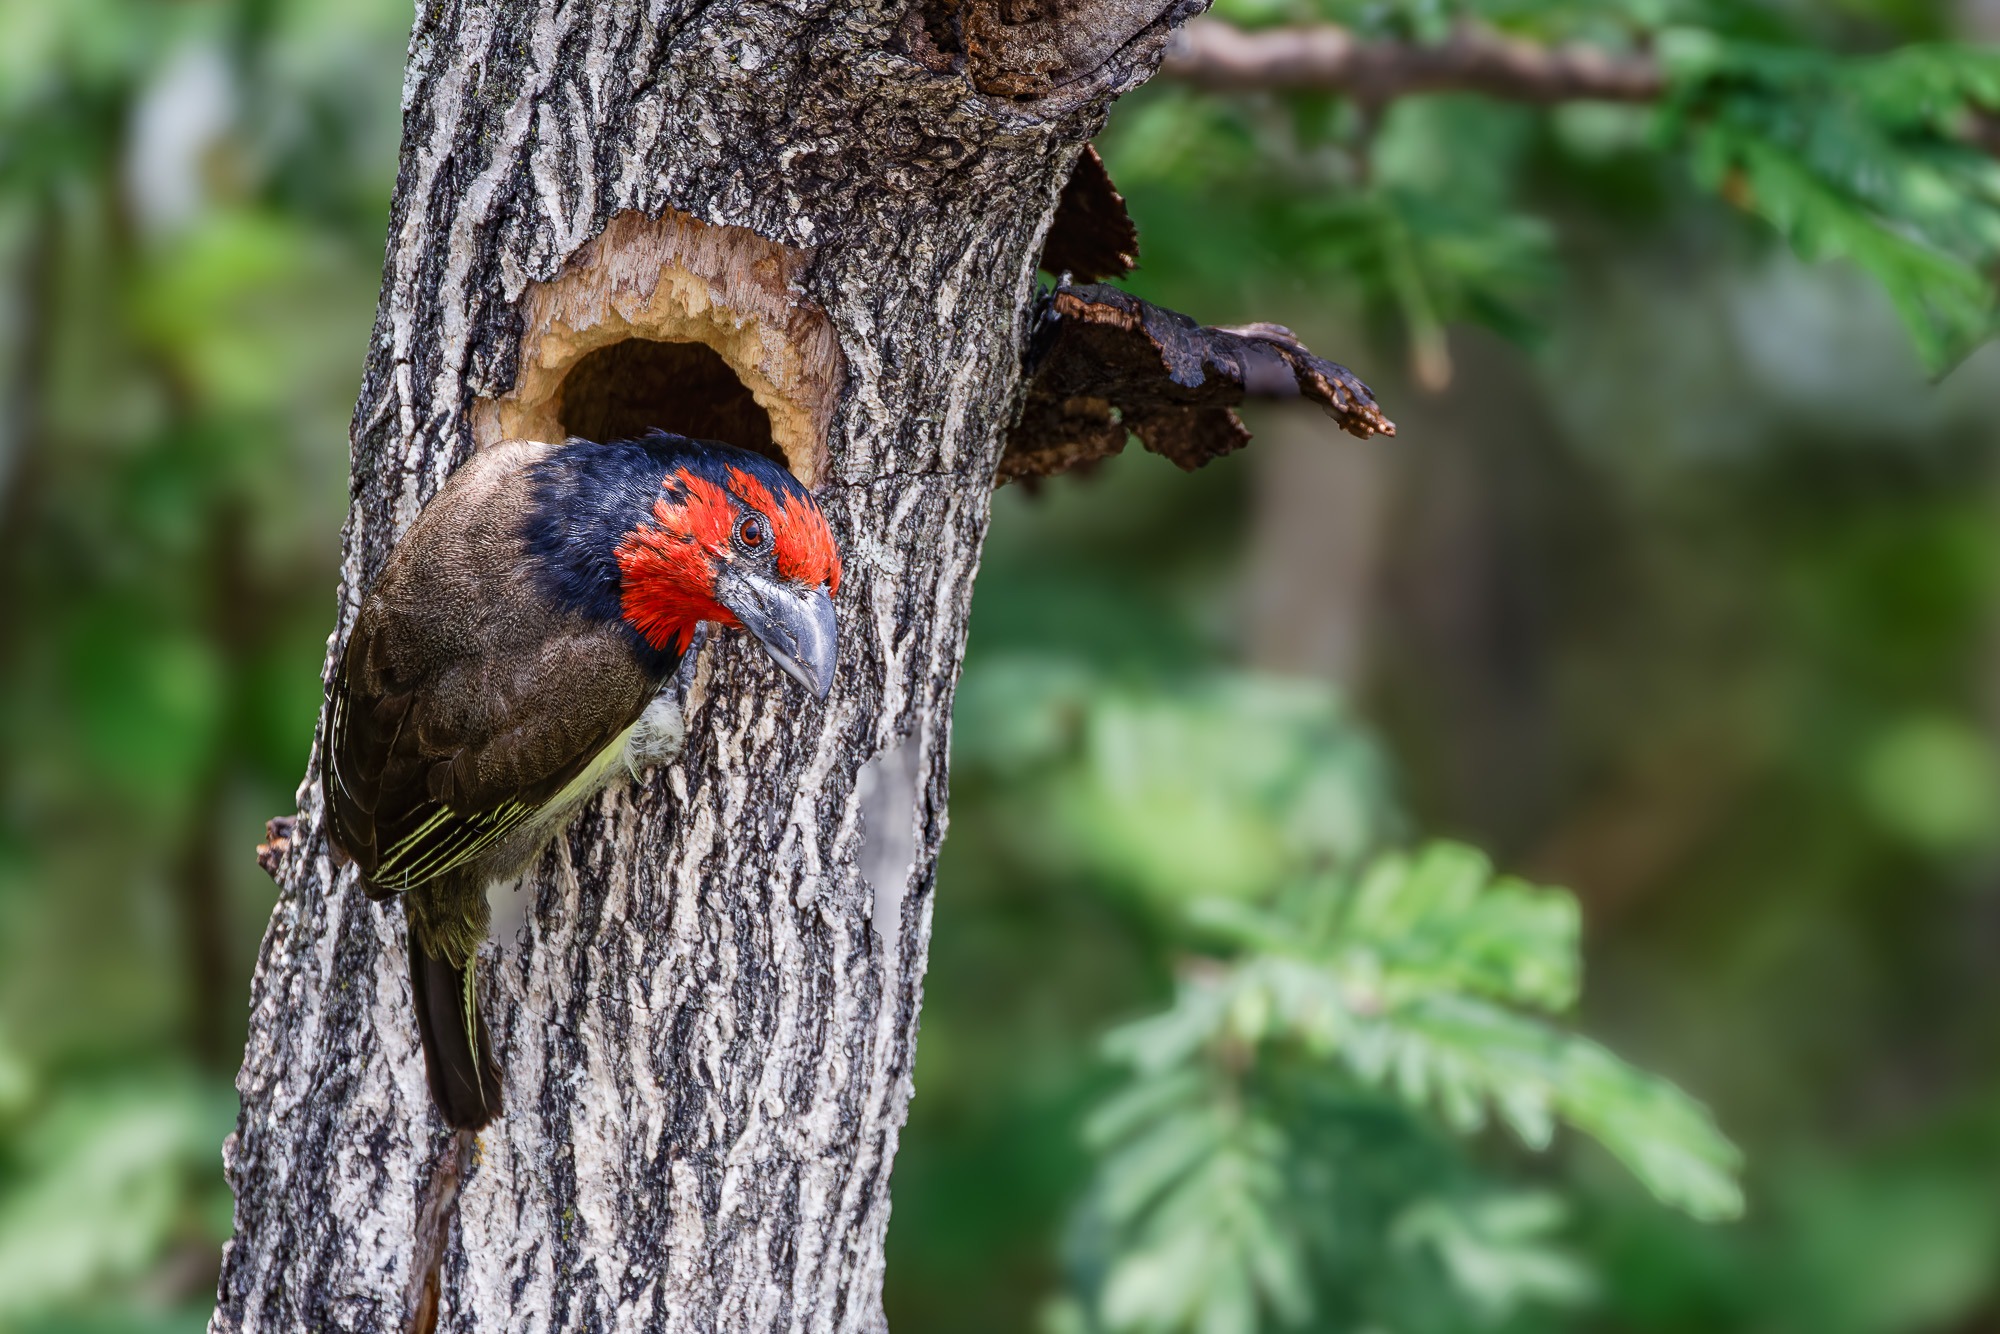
x=751 y=532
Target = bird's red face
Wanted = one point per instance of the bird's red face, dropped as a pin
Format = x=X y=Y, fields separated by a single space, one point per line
x=742 y=554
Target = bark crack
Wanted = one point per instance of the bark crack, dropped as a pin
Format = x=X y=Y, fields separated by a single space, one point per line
x=436 y=1212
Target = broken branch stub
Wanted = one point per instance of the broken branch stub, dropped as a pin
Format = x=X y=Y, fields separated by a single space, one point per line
x=1102 y=363
x=1091 y=237
x=279 y=831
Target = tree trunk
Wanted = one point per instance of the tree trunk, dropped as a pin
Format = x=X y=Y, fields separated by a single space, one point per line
x=707 y=1016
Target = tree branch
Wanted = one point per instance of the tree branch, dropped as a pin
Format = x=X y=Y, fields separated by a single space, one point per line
x=1214 y=55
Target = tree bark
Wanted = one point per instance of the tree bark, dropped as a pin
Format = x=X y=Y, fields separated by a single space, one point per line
x=707 y=1017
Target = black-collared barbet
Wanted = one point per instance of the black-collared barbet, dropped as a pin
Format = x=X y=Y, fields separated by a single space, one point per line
x=504 y=662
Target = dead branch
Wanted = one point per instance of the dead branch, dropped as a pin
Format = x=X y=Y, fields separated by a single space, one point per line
x=1104 y=363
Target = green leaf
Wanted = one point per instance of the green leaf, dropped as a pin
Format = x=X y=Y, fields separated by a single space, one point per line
x=1423 y=988
x=1666 y=1138
x=1499 y=1251
x=1861 y=160
x=1201 y=1194
x=1945 y=303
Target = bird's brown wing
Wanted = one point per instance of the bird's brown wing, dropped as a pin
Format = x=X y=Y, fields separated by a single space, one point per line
x=423 y=777
x=463 y=702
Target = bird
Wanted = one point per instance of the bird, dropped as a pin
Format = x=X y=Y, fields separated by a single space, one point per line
x=510 y=654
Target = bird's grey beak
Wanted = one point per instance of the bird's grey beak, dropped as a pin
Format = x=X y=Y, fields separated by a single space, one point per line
x=794 y=624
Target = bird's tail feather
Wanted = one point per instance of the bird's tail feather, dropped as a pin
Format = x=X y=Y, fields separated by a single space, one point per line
x=464 y=1078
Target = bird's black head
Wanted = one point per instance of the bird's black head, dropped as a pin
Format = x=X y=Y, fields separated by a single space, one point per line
x=664 y=532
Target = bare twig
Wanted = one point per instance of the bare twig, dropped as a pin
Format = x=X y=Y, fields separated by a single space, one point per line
x=1325 y=58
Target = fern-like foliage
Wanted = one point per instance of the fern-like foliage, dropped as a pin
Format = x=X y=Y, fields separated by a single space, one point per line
x=1286 y=1146
x=1864 y=159
x=1429 y=211
x=1300 y=1138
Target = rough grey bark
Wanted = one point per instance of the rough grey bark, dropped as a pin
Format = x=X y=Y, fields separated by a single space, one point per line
x=707 y=1017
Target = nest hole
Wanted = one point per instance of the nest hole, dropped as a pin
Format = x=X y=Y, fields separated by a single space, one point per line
x=638 y=384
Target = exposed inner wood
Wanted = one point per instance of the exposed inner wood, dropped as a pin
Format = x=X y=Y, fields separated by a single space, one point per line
x=675 y=280
x=435 y=1208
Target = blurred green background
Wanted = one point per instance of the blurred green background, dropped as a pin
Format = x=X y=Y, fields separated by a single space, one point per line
x=1680 y=589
